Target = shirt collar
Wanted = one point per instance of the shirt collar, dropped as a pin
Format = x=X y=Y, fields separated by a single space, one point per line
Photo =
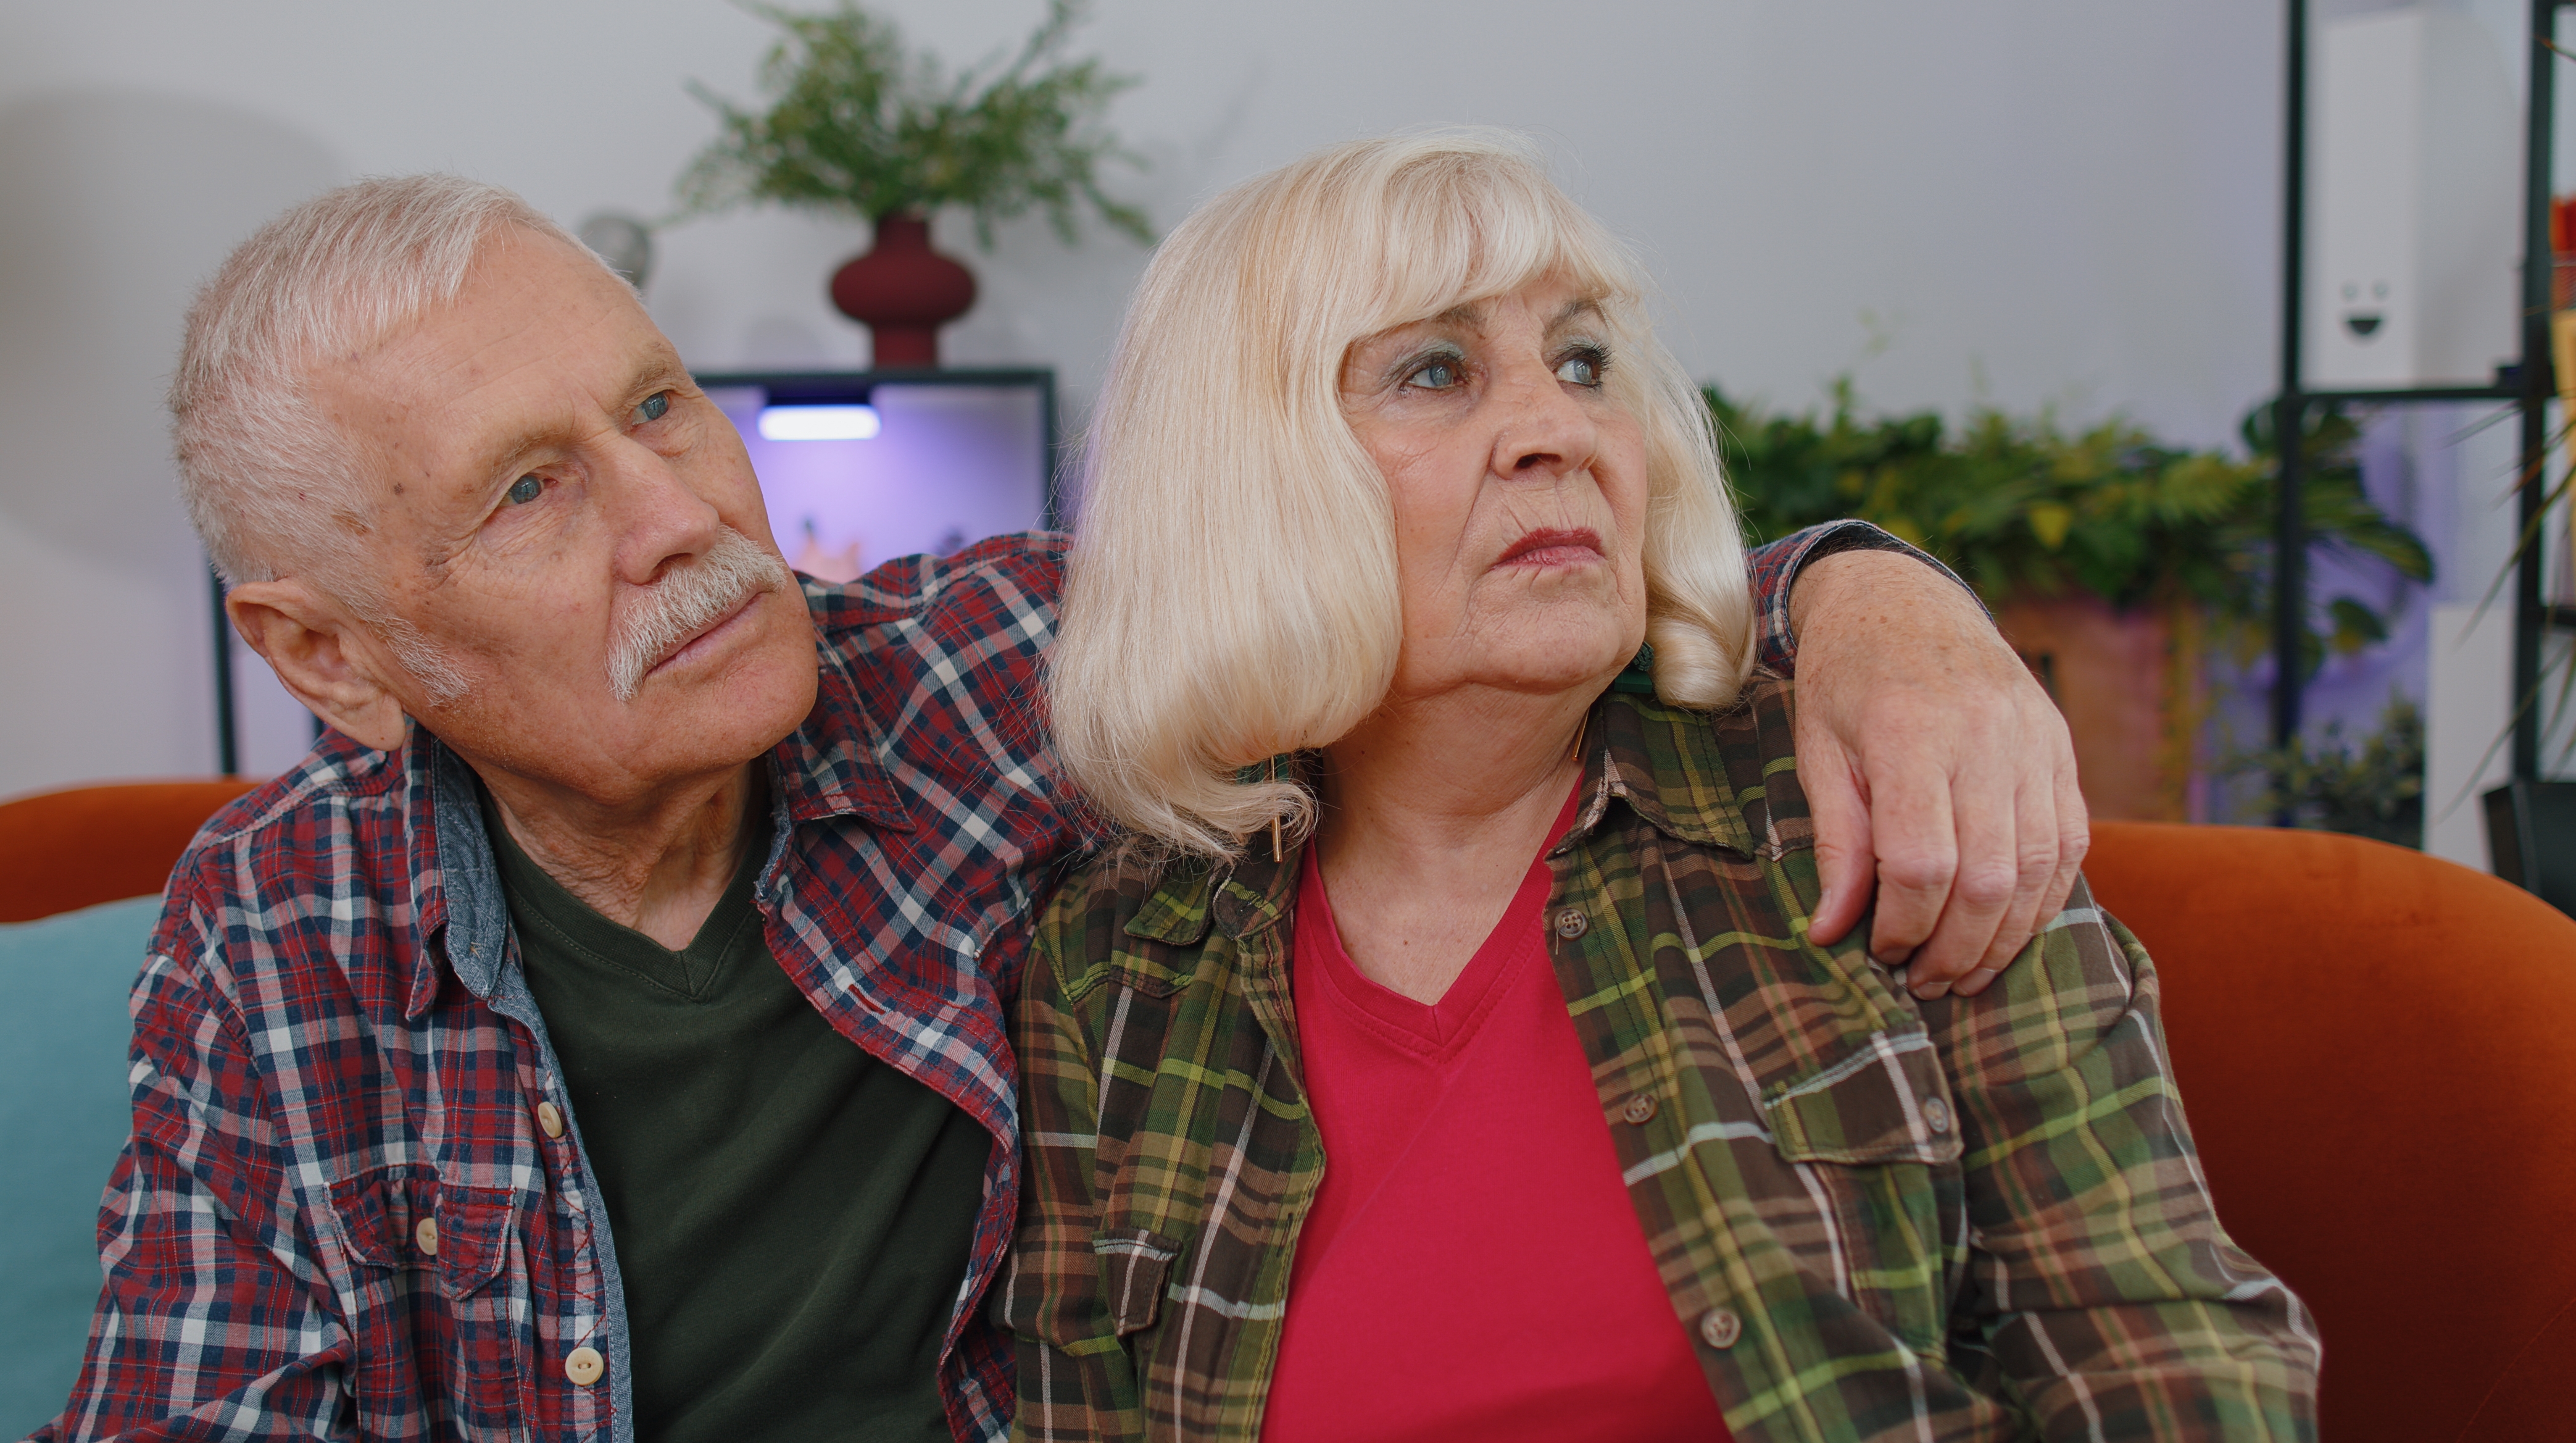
x=830 y=766
x=1670 y=768
x=1665 y=763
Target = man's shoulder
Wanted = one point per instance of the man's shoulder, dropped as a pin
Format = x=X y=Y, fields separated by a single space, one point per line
x=309 y=841
x=940 y=657
x=1000 y=583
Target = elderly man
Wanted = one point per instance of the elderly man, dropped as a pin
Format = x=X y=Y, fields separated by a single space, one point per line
x=601 y=1034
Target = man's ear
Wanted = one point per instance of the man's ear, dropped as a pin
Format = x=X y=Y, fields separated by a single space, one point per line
x=324 y=655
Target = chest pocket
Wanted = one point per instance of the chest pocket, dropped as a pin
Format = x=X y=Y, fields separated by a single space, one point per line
x=1886 y=1101
x=1882 y=1120
x=1135 y=1267
x=451 y=1313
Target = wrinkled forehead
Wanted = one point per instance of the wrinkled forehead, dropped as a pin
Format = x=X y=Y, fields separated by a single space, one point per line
x=526 y=353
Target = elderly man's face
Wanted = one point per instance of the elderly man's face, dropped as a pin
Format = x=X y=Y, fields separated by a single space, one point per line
x=576 y=528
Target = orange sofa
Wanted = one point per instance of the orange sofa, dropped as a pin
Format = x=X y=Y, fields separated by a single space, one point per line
x=2378 y=1050
x=83 y=845
x=2378 y=1054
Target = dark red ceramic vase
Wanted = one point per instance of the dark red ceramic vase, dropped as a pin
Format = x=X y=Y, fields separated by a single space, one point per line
x=903 y=292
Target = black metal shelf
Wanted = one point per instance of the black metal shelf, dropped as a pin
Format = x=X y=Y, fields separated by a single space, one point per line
x=2525 y=384
x=2405 y=395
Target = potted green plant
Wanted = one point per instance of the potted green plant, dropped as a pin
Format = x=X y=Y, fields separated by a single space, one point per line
x=2112 y=561
x=859 y=125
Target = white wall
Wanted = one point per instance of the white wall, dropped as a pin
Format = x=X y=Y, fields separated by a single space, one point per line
x=2023 y=201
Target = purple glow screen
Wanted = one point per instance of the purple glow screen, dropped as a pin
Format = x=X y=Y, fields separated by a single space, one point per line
x=950 y=464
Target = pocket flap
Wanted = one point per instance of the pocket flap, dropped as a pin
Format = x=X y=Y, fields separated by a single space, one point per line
x=381 y=1213
x=473 y=1236
x=1885 y=1102
x=1134 y=1265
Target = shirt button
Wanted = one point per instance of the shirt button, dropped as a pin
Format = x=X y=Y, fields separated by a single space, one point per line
x=1640 y=1110
x=584 y=1365
x=1719 y=1327
x=550 y=1119
x=1571 y=923
x=1936 y=1114
x=427 y=1236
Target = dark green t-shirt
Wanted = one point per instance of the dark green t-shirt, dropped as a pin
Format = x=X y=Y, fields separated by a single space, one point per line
x=792 y=1217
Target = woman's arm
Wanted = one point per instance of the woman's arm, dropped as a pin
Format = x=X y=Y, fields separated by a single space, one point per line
x=2101 y=1289
x=1075 y=1378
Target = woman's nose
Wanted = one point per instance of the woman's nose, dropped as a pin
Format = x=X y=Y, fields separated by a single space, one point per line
x=1545 y=433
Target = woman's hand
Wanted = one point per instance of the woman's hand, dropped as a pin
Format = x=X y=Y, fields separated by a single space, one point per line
x=1935 y=767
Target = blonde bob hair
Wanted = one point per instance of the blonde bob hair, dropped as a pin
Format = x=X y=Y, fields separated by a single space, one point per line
x=1232 y=589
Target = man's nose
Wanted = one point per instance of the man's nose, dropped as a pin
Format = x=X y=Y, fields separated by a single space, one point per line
x=661 y=520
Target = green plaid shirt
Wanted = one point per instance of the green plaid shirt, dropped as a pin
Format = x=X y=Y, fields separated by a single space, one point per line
x=1880 y=1217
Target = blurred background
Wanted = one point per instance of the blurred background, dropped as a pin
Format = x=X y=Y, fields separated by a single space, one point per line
x=2058 y=220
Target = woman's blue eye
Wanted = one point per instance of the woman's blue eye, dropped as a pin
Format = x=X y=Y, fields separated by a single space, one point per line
x=525 y=490
x=1435 y=376
x=1580 y=370
x=654 y=406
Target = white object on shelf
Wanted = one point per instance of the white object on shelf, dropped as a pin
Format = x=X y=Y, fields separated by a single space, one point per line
x=819 y=423
x=2412 y=273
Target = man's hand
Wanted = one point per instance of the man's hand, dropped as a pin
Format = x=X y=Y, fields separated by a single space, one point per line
x=1932 y=760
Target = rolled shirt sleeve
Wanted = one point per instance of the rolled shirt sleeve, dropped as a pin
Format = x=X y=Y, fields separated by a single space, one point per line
x=1775 y=568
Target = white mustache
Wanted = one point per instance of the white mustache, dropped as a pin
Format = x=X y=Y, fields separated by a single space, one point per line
x=733 y=570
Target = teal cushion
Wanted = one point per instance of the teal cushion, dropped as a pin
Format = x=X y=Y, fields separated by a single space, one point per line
x=63 y=1116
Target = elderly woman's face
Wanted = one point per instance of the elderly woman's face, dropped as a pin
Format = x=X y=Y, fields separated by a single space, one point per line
x=1519 y=490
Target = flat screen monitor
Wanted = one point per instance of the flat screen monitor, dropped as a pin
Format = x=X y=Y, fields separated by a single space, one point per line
x=858 y=469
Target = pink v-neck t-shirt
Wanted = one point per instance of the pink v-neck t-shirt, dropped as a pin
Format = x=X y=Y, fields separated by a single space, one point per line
x=1472 y=1267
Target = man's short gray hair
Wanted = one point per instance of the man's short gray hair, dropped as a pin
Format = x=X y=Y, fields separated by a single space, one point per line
x=271 y=484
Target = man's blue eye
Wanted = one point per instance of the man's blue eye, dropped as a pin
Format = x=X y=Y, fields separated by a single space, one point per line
x=525 y=490
x=654 y=406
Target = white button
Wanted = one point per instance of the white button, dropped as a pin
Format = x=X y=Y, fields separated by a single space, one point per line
x=427 y=1236
x=1719 y=1327
x=550 y=1119
x=584 y=1365
x=1571 y=923
x=1936 y=1114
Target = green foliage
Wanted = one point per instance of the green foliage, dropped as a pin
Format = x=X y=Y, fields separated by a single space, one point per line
x=2376 y=792
x=860 y=125
x=2020 y=507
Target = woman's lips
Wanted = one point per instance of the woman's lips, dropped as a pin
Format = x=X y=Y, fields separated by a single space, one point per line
x=1550 y=546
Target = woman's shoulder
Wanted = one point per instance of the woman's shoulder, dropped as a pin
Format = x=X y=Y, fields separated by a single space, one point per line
x=1126 y=909
x=1727 y=776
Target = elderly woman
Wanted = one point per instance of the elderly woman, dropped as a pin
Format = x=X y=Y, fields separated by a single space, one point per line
x=1445 y=1054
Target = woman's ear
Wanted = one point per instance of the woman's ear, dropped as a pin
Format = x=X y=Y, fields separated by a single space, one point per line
x=324 y=656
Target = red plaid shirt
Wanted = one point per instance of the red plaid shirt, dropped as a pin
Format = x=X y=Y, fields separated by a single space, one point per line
x=338 y=1214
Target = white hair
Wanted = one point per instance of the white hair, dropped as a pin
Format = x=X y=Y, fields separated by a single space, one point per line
x=271 y=483
x=273 y=486
x=1232 y=590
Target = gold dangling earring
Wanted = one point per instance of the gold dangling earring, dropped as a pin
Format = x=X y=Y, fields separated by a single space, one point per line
x=1275 y=854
